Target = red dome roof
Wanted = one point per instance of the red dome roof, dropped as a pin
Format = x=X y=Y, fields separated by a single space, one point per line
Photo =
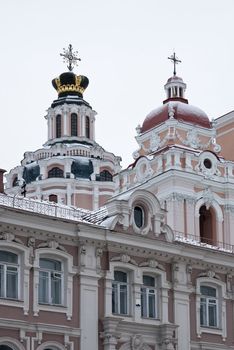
x=182 y=111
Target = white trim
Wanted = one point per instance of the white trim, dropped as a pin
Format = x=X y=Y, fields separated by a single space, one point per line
x=221 y=290
x=69 y=272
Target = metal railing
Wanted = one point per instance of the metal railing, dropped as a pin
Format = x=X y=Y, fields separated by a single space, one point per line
x=203 y=242
x=53 y=209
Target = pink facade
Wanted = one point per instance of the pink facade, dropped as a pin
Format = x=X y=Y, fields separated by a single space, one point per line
x=100 y=258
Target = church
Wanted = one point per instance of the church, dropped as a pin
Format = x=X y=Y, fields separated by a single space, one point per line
x=96 y=257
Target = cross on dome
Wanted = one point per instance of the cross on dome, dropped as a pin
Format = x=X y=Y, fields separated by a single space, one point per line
x=175 y=61
x=70 y=57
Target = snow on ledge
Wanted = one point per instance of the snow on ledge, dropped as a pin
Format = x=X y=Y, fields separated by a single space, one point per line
x=195 y=242
x=53 y=209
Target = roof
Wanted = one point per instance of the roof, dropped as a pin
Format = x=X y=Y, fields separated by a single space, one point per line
x=180 y=110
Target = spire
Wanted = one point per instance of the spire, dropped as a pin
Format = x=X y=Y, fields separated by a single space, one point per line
x=175 y=61
x=175 y=87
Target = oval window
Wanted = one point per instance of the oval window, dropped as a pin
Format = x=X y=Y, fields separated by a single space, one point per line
x=139 y=216
x=207 y=163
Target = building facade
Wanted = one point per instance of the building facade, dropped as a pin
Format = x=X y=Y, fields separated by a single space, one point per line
x=99 y=258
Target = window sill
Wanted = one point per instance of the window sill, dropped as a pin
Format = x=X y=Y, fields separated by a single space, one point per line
x=212 y=330
x=12 y=302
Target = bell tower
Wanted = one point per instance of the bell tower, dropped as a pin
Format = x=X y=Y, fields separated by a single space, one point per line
x=70 y=118
x=71 y=168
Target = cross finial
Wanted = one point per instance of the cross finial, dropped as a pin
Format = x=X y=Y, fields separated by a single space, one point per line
x=175 y=61
x=70 y=57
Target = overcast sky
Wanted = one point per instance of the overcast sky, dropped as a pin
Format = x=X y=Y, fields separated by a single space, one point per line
x=124 y=45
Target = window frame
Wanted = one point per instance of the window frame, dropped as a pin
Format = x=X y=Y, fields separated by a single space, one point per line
x=148 y=294
x=118 y=285
x=6 y=265
x=221 y=306
x=49 y=291
x=67 y=288
x=208 y=302
x=23 y=254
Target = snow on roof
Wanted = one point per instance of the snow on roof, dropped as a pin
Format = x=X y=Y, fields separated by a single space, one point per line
x=54 y=209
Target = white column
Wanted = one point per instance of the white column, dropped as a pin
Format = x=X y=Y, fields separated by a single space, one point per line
x=190 y=220
x=181 y=305
x=88 y=299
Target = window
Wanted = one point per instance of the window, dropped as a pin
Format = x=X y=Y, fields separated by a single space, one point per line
x=105 y=175
x=87 y=127
x=208 y=307
x=207 y=225
x=120 y=293
x=5 y=347
x=9 y=275
x=50 y=282
x=73 y=124
x=55 y=172
x=53 y=198
x=15 y=182
x=138 y=216
x=58 y=125
x=148 y=298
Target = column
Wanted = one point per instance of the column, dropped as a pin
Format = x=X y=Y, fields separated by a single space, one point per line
x=88 y=299
x=181 y=305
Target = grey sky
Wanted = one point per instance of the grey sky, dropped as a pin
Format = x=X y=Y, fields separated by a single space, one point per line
x=124 y=45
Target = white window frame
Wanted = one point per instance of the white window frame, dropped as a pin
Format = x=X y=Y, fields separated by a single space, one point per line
x=49 y=273
x=24 y=267
x=221 y=306
x=118 y=285
x=135 y=281
x=210 y=301
x=148 y=293
x=5 y=270
x=67 y=286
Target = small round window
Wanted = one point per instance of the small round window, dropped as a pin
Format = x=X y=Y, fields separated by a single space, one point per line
x=207 y=163
x=139 y=216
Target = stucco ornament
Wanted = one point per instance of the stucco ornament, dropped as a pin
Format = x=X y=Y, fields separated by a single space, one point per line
x=208 y=197
x=155 y=141
x=143 y=170
x=208 y=165
x=135 y=343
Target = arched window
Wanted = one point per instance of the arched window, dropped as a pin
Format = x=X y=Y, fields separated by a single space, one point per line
x=5 y=347
x=58 y=125
x=15 y=182
x=53 y=198
x=87 y=127
x=73 y=124
x=105 y=175
x=149 y=297
x=139 y=216
x=9 y=275
x=55 y=172
x=207 y=225
x=120 y=293
x=50 y=282
x=208 y=307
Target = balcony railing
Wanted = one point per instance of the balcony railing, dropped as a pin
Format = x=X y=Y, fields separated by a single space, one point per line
x=203 y=242
x=53 y=209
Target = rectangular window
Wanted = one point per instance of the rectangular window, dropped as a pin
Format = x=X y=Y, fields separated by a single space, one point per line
x=208 y=307
x=9 y=275
x=50 y=282
x=149 y=298
x=120 y=293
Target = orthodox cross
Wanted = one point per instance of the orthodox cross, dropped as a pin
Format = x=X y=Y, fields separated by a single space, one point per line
x=175 y=61
x=70 y=57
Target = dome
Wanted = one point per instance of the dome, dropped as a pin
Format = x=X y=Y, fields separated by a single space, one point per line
x=180 y=111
